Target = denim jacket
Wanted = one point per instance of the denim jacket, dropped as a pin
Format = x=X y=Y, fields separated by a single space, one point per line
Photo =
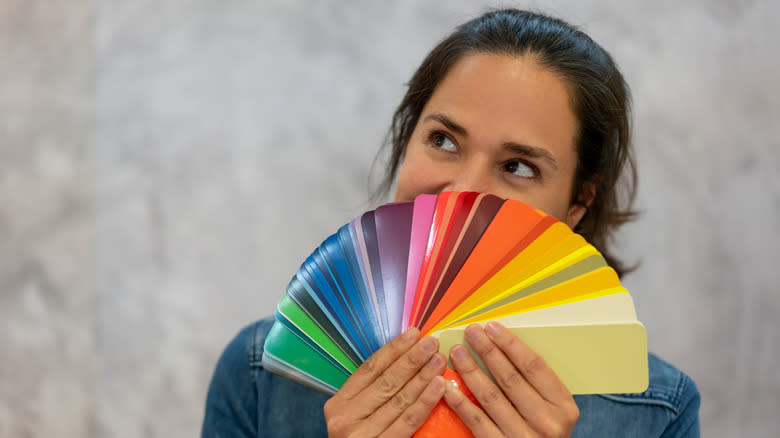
x=244 y=400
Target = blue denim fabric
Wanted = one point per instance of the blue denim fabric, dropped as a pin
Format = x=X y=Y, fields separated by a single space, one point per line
x=244 y=400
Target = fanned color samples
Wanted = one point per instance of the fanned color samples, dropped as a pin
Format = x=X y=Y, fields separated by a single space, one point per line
x=446 y=261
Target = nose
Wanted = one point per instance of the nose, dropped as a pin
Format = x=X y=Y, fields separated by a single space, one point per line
x=471 y=176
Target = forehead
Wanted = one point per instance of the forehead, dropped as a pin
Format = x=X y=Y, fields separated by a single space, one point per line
x=507 y=96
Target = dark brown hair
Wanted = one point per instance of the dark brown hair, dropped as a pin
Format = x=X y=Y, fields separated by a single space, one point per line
x=600 y=98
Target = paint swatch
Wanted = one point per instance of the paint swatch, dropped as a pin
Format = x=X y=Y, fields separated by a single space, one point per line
x=446 y=261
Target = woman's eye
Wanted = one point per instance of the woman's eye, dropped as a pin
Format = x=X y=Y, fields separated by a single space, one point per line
x=441 y=141
x=520 y=168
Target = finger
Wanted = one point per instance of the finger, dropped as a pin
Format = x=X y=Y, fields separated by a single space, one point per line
x=377 y=363
x=415 y=415
x=524 y=396
x=395 y=376
x=534 y=369
x=493 y=401
x=406 y=397
x=472 y=416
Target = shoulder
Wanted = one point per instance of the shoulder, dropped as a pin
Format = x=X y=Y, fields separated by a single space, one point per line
x=244 y=352
x=244 y=400
x=250 y=341
x=669 y=387
x=231 y=402
x=668 y=408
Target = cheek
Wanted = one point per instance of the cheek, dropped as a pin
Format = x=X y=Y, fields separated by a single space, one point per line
x=561 y=212
x=550 y=201
x=412 y=181
x=416 y=176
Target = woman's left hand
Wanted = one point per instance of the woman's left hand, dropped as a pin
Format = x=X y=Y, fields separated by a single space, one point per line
x=529 y=400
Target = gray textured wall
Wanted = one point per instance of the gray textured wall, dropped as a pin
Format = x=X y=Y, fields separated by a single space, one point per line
x=166 y=165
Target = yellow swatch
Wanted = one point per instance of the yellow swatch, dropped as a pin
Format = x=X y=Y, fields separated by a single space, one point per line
x=554 y=235
x=600 y=282
x=588 y=358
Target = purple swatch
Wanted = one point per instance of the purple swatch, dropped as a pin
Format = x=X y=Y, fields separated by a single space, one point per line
x=393 y=229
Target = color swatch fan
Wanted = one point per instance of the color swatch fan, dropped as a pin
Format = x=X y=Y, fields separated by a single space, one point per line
x=446 y=261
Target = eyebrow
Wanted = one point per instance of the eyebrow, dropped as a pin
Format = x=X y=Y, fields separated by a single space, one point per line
x=531 y=151
x=448 y=123
x=522 y=149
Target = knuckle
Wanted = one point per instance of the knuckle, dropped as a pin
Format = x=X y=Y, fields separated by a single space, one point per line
x=336 y=425
x=572 y=413
x=385 y=384
x=562 y=424
x=415 y=361
x=411 y=419
x=457 y=403
x=327 y=408
x=490 y=395
x=332 y=407
x=552 y=429
x=419 y=383
x=508 y=341
x=427 y=399
x=398 y=402
x=533 y=366
x=485 y=348
x=369 y=365
x=474 y=420
x=468 y=368
x=511 y=379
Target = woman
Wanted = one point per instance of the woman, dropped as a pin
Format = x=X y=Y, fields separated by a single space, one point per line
x=522 y=106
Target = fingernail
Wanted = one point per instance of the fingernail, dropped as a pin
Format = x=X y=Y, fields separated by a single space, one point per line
x=474 y=333
x=436 y=361
x=429 y=345
x=437 y=384
x=410 y=334
x=452 y=387
x=493 y=328
x=459 y=353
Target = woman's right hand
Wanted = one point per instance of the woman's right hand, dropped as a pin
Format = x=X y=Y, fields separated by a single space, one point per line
x=391 y=393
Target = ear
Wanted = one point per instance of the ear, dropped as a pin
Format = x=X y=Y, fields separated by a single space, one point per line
x=581 y=203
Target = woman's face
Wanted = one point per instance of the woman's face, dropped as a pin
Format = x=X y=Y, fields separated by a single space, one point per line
x=496 y=124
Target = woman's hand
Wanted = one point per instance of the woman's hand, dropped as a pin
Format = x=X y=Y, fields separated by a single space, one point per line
x=529 y=400
x=391 y=393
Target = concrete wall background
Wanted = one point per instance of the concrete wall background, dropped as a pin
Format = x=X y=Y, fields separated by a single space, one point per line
x=155 y=156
